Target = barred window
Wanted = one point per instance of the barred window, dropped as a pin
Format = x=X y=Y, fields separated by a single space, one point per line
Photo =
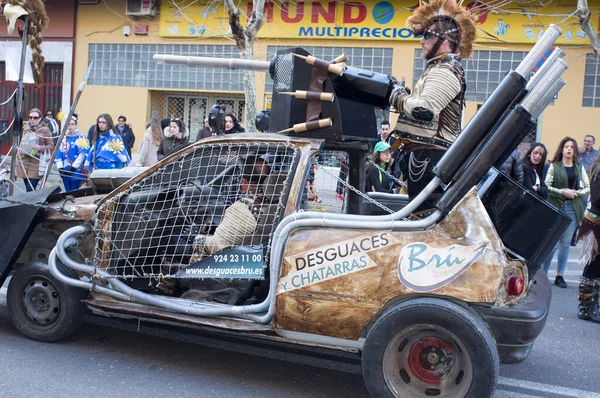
x=132 y=65
x=591 y=83
x=484 y=71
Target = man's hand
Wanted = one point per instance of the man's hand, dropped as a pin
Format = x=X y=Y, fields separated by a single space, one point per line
x=398 y=94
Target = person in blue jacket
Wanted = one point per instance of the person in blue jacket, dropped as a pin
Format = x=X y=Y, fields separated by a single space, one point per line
x=71 y=156
x=108 y=150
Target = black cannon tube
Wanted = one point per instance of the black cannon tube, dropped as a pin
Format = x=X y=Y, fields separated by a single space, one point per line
x=500 y=139
x=510 y=90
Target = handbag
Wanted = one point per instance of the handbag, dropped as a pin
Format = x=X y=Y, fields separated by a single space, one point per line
x=44 y=162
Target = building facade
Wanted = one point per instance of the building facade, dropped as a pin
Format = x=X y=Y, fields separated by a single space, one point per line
x=126 y=81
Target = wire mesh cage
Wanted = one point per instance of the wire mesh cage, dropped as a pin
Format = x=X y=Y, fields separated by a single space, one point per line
x=327 y=185
x=215 y=197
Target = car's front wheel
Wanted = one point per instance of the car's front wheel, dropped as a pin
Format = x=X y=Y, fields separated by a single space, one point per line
x=430 y=348
x=41 y=307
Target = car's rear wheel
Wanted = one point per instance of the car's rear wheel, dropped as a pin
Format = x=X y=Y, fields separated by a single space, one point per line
x=430 y=348
x=41 y=307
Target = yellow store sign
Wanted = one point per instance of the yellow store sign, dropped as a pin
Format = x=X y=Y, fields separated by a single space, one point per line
x=364 y=20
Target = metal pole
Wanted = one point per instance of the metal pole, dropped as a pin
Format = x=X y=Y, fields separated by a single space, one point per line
x=65 y=124
x=225 y=63
x=18 y=120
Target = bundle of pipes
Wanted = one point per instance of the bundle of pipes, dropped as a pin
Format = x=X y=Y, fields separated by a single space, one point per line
x=498 y=127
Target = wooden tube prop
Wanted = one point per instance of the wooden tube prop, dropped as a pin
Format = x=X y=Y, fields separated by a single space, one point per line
x=337 y=69
x=340 y=58
x=310 y=95
x=313 y=125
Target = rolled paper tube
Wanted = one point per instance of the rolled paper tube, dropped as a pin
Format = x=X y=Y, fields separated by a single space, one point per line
x=340 y=58
x=310 y=95
x=312 y=125
x=337 y=69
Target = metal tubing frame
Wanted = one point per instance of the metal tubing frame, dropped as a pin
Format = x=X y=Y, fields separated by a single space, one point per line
x=262 y=312
x=18 y=127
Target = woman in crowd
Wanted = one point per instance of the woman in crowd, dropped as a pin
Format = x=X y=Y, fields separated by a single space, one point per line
x=513 y=167
x=377 y=178
x=71 y=156
x=36 y=143
x=176 y=138
x=567 y=182
x=533 y=169
x=150 y=144
x=232 y=125
x=108 y=150
x=589 y=233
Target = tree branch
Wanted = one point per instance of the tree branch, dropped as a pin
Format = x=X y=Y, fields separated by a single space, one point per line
x=255 y=22
x=237 y=30
x=583 y=13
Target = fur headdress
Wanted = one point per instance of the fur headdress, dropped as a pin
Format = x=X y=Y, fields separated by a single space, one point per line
x=436 y=10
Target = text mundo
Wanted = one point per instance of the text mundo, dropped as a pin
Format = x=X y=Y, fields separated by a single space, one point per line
x=341 y=251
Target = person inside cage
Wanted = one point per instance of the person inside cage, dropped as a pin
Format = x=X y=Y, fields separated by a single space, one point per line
x=242 y=217
x=243 y=223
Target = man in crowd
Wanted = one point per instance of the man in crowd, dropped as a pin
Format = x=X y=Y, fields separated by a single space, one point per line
x=430 y=116
x=205 y=131
x=126 y=134
x=587 y=154
x=52 y=125
x=384 y=130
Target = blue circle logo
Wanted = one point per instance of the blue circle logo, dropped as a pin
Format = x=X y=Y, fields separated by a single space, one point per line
x=383 y=12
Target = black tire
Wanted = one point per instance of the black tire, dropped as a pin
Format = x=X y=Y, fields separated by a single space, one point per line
x=430 y=347
x=41 y=307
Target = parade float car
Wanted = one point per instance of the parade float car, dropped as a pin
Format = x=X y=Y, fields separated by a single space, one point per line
x=306 y=256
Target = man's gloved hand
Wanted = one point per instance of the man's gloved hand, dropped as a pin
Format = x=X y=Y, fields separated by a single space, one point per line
x=399 y=92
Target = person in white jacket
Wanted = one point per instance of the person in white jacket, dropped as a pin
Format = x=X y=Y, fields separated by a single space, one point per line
x=150 y=144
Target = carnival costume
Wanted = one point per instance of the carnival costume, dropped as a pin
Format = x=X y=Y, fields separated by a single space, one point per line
x=108 y=152
x=430 y=116
x=70 y=159
x=589 y=233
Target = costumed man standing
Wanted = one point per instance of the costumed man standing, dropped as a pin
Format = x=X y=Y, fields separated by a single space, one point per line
x=430 y=117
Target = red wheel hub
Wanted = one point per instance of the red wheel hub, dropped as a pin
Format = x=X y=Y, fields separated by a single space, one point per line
x=430 y=359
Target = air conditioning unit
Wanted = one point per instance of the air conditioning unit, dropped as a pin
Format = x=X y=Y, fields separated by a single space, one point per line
x=141 y=8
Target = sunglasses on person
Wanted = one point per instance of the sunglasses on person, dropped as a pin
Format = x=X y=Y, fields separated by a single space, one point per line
x=34 y=117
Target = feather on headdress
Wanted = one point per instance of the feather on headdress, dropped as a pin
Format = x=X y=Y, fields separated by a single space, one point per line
x=427 y=13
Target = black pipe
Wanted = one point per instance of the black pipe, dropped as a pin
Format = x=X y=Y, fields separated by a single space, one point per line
x=500 y=139
x=510 y=91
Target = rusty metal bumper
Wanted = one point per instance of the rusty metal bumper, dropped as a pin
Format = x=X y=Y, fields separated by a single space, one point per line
x=516 y=327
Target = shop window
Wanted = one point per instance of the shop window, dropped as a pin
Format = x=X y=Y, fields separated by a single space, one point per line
x=132 y=65
x=591 y=83
x=484 y=71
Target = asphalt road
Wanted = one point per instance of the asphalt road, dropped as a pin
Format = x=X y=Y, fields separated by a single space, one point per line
x=110 y=357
